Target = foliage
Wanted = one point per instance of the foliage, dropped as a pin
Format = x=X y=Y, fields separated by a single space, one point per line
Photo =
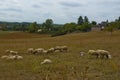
x=80 y=20
x=33 y=27
x=93 y=22
x=84 y=28
x=86 y=20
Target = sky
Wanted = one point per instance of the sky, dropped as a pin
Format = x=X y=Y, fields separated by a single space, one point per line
x=60 y=11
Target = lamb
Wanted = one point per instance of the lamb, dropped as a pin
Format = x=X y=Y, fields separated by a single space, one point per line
x=46 y=61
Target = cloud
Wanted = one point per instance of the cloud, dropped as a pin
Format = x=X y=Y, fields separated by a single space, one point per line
x=36 y=6
x=11 y=9
x=71 y=4
x=61 y=11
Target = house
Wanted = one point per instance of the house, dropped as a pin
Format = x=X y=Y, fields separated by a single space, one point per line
x=99 y=27
x=96 y=28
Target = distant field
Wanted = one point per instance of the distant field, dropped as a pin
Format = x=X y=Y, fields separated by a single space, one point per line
x=65 y=66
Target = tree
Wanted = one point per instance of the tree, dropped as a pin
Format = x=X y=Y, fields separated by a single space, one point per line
x=119 y=18
x=33 y=27
x=85 y=27
x=80 y=21
x=111 y=27
x=69 y=27
x=93 y=22
x=86 y=20
x=49 y=24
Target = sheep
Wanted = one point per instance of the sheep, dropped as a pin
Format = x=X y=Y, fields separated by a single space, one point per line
x=7 y=52
x=82 y=53
x=11 y=57
x=64 y=48
x=4 y=57
x=38 y=51
x=61 y=48
x=46 y=61
x=30 y=50
x=19 y=57
x=51 y=50
x=93 y=53
x=45 y=51
x=104 y=53
x=13 y=52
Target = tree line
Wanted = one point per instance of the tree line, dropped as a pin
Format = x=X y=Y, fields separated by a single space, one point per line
x=48 y=27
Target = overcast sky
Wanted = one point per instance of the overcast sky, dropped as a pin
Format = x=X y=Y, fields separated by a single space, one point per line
x=61 y=11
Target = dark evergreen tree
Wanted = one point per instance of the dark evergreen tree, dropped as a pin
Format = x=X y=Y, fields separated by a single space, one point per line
x=80 y=21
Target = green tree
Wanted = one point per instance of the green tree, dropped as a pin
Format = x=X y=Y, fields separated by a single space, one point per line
x=33 y=27
x=70 y=27
x=93 y=22
x=86 y=20
x=49 y=24
x=111 y=27
x=80 y=20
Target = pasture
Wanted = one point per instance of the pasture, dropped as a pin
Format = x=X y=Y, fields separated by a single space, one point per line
x=65 y=66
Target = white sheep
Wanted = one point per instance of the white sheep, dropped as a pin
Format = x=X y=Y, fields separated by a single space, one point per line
x=61 y=48
x=13 y=52
x=38 y=51
x=18 y=57
x=51 y=50
x=46 y=61
x=104 y=53
x=93 y=53
x=45 y=51
x=82 y=53
x=4 y=57
x=30 y=50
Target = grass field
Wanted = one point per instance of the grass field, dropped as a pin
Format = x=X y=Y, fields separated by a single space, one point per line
x=65 y=66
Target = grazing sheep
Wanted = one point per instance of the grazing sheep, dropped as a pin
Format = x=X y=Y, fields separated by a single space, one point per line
x=93 y=53
x=13 y=52
x=4 y=57
x=11 y=57
x=51 y=50
x=61 y=48
x=46 y=61
x=104 y=54
x=38 y=51
x=7 y=52
x=64 y=48
x=30 y=50
x=82 y=53
x=10 y=52
x=45 y=51
x=19 y=57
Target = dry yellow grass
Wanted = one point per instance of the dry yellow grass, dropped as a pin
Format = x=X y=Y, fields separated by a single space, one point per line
x=67 y=66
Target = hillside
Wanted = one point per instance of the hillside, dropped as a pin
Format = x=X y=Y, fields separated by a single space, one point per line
x=65 y=66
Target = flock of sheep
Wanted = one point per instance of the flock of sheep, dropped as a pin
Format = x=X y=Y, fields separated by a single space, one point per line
x=51 y=50
x=13 y=55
